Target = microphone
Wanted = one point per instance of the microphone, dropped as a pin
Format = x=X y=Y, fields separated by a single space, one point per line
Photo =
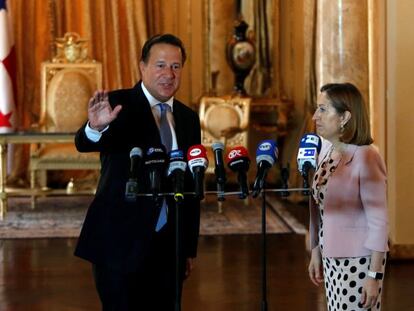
x=155 y=165
x=198 y=163
x=131 y=187
x=266 y=155
x=238 y=161
x=309 y=148
x=176 y=171
x=219 y=170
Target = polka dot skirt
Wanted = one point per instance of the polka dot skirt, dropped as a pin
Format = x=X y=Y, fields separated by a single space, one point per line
x=343 y=277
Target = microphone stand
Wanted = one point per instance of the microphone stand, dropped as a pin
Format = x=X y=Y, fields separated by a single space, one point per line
x=227 y=193
x=305 y=175
x=264 y=305
x=306 y=191
x=177 y=255
x=284 y=173
x=264 y=252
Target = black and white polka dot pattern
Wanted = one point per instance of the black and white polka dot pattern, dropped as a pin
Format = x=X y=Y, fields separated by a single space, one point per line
x=344 y=279
x=320 y=181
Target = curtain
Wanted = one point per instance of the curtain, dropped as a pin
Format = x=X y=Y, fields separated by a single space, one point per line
x=116 y=31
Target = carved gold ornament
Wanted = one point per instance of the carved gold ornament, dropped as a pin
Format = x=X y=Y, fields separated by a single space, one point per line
x=71 y=49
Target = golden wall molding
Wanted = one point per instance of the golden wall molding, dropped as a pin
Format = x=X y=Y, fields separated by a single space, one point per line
x=377 y=71
x=399 y=130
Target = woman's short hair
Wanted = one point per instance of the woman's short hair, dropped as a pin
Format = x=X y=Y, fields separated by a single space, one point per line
x=347 y=97
x=163 y=38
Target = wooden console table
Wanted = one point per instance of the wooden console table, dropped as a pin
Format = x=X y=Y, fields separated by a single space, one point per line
x=262 y=110
x=26 y=138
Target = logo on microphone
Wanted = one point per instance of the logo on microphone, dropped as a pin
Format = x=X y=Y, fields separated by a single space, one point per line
x=176 y=154
x=265 y=146
x=234 y=153
x=152 y=150
x=309 y=152
x=195 y=152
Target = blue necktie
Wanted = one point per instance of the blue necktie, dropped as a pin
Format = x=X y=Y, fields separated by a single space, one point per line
x=165 y=130
x=166 y=139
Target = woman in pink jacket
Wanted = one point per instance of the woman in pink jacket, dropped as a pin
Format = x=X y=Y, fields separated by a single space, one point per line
x=348 y=206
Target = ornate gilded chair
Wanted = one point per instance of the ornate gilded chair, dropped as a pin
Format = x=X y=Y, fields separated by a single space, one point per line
x=224 y=119
x=67 y=83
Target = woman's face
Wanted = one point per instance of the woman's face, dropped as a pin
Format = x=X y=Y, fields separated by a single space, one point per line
x=327 y=119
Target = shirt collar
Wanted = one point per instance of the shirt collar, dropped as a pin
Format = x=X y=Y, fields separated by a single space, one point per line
x=153 y=101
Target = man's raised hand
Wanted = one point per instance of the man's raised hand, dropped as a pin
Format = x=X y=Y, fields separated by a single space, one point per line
x=100 y=112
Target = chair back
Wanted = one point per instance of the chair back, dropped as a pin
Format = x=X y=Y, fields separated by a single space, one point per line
x=66 y=90
x=224 y=119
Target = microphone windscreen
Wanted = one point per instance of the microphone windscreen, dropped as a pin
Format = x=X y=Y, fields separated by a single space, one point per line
x=238 y=159
x=176 y=162
x=135 y=152
x=267 y=151
x=217 y=145
x=311 y=140
x=309 y=148
x=237 y=153
x=197 y=156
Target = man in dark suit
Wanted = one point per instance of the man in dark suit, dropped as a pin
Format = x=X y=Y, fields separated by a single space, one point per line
x=132 y=252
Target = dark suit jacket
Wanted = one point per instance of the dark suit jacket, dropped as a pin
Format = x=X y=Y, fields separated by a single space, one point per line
x=118 y=233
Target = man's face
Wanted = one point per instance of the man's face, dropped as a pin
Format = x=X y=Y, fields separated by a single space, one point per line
x=161 y=75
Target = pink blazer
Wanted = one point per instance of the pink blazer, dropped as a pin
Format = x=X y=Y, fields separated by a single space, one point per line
x=355 y=218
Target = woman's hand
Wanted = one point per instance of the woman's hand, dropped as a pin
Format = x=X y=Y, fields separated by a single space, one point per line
x=315 y=267
x=370 y=293
x=370 y=290
x=100 y=112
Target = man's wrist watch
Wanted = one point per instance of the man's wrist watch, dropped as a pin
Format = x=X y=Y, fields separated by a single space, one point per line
x=375 y=275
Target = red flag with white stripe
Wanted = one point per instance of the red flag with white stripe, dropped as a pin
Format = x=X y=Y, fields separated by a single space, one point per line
x=8 y=116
